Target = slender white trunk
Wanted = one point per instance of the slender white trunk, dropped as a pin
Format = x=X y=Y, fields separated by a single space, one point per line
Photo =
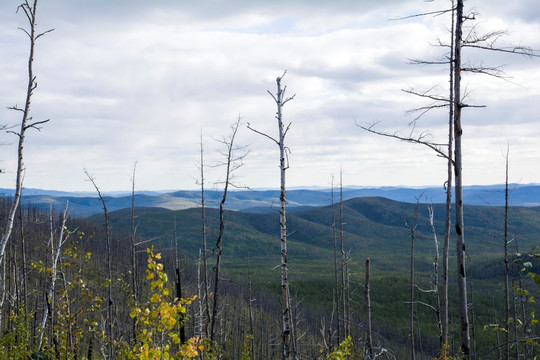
x=30 y=12
x=55 y=256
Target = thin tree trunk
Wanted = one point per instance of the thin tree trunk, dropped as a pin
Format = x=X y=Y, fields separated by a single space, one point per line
x=411 y=285
x=182 y=330
x=230 y=167
x=369 y=340
x=55 y=257
x=250 y=308
x=343 y=260
x=436 y=276
x=336 y=286
x=30 y=12
x=506 y=268
x=24 y=269
x=205 y=268
x=288 y=342
x=287 y=327
x=133 y=252
x=460 y=229
x=450 y=168
x=110 y=317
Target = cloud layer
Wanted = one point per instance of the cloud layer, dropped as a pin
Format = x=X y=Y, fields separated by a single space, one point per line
x=130 y=81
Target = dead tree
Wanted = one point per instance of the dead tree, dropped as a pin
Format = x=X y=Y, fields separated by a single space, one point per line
x=26 y=123
x=344 y=272
x=336 y=286
x=178 y=283
x=456 y=103
x=110 y=317
x=233 y=161
x=506 y=268
x=133 y=250
x=204 y=251
x=56 y=250
x=369 y=340
x=412 y=232
x=288 y=339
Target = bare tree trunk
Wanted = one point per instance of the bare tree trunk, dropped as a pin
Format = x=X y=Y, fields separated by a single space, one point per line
x=133 y=252
x=346 y=325
x=288 y=344
x=436 y=277
x=178 y=272
x=30 y=12
x=336 y=286
x=506 y=268
x=458 y=167
x=24 y=268
x=231 y=164
x=250 y=309
x=110 y=317
x=412 y=229
x=205 y=268
x=450 y=168
x=55 y=257
x=369 y=340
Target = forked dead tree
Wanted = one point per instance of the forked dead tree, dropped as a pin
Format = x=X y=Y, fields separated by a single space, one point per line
x=110 y=311
x=455 y=102
x=287 y=333
x=234 y=156
x=56 y=250
x=26 y=123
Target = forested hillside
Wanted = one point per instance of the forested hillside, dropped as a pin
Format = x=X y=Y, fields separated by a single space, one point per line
x=374 y=228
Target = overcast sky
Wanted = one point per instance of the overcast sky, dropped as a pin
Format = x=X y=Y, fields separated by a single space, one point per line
x=125 y=81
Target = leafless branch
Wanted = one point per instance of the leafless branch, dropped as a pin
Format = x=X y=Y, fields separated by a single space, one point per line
x=416 y=140
x=434 y=13
x=261 y=133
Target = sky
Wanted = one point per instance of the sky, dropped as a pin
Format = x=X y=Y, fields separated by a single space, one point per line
x=146 y=81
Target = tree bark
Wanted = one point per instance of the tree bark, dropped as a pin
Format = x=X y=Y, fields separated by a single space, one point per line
x=133 y=252
x=369 y=340
x=450 y=168
x=506 y=268
x=204 y=252
x=230 y=167
x=30 y=11
x=458 y=167
x=110 y=310
x=288 y=341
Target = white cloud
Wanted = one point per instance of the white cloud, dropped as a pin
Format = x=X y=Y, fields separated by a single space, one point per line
x=135 y=80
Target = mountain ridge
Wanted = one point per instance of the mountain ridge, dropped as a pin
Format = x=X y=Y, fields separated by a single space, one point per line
x=264 y=201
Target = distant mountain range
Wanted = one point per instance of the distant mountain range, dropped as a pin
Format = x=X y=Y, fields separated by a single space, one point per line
x=263 y=201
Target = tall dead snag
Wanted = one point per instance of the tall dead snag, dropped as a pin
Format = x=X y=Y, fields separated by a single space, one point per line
x=369 y=340
x=133 y=250
x=287 y=333
x=26 y=123
x=435 y=280
x=412 y=230
x=56 y=250
x=506 y=267
x=110 y=317
x=336 y=286
x=232 y=163
x=204 y=251
x=178 y=283
x=458 y=177
x=344 y=271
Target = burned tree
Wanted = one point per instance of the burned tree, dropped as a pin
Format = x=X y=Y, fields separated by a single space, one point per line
x=288 y=339
x=234 y=156
x=27 y=122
